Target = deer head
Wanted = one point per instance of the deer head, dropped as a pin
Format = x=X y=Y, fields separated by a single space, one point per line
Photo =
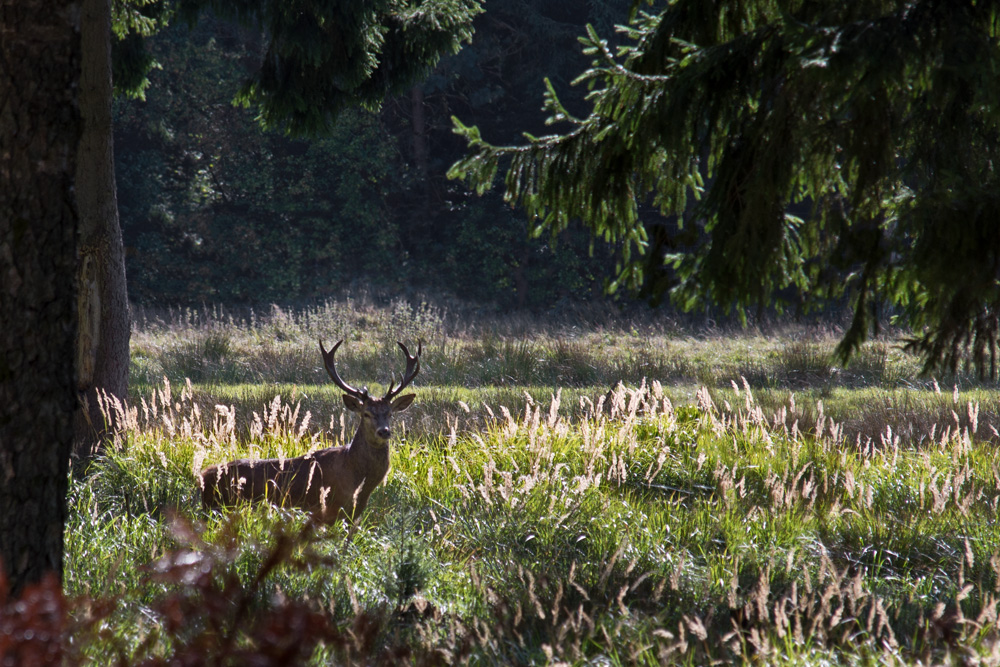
x=335 y=482
x=376 y=413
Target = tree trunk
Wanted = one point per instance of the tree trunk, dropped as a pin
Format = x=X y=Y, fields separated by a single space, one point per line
x=521 y=276
x=39 y=138
x=102 y=352
x=419 y=128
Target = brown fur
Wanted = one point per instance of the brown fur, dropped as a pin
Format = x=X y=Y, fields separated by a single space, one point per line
x=331 y=483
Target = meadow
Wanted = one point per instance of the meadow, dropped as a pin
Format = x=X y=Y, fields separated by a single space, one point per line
x=587 y=489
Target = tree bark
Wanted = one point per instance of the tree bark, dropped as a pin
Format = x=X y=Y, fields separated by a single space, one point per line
x=521 y=275
x=419 y=123
x=39 y=139
x=102 y=355
x=420 y=150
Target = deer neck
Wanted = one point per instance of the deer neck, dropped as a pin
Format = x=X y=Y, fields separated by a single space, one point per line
x=372 y=459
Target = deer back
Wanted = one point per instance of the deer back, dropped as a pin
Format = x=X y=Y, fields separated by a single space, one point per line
x=326 y=483
x=331 y=483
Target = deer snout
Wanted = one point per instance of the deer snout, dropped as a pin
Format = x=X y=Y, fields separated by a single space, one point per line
x=383 y=432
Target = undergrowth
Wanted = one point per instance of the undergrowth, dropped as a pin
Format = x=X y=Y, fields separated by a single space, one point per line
x=627 y=530
x=649 y=522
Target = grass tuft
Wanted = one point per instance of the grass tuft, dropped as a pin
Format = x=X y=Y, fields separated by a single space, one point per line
x=541 y=511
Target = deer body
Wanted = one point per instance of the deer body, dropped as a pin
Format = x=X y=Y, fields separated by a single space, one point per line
x=333 y=483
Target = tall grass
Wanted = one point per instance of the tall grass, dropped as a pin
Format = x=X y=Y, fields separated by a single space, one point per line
x=243 y=359
x=566 y=491
x=628 y=530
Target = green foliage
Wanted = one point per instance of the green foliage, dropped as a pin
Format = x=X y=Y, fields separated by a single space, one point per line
x=654 y=524
x=654 y=533
x=323 y=58
x=830 y=150
x=216 y=210
x=244 y=360
x=132 y=22
x=489 y=257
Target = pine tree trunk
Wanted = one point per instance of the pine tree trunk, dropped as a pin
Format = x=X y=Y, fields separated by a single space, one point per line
x=521 y=275
x=419 y=123
x=39 y=138
x=419 y=128
x=103 y=344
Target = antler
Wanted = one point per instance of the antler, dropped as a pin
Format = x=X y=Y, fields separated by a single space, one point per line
x=412 y=368
x=331 y=368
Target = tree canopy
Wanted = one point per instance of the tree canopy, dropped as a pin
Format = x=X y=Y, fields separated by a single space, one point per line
x=311 y=215
x=740 y=152
x=324 y=57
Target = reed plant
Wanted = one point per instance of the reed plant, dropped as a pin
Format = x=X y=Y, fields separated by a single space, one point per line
x=575 y=490
x=625 y=528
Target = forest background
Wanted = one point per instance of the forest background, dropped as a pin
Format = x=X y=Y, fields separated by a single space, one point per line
x=215 y=209
x=747 y=501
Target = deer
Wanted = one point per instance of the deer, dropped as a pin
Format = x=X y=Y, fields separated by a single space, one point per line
x=333 y=484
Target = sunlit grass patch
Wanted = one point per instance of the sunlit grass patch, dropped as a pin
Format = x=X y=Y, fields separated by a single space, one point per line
x=731 y=500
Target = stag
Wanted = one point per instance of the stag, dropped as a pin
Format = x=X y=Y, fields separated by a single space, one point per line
x=332 y=483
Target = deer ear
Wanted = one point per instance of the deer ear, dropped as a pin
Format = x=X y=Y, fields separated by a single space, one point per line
x=403 y=402
x=352 y=403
